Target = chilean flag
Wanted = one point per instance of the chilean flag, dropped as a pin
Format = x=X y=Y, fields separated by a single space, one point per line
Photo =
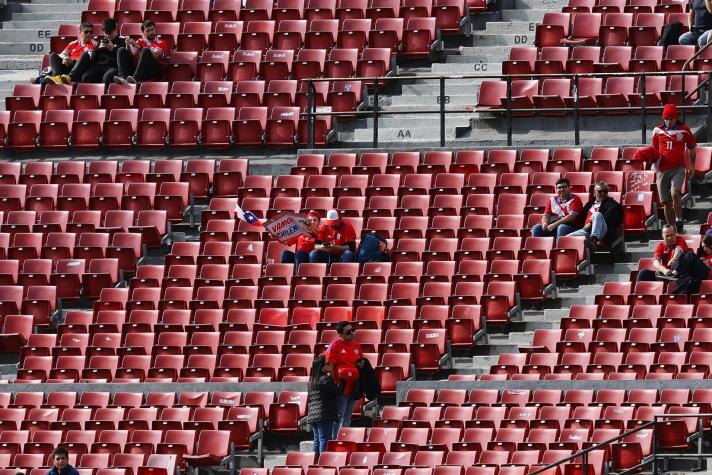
x=247 y=216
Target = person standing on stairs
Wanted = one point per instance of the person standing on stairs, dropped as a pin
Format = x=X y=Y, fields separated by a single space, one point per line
x=344 y=354
x=671 y=141
x=323 y=393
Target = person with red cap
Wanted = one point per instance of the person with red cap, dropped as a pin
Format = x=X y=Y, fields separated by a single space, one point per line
x=344 y=354
x=304 y=243
x=335 y=242
x=671 y=141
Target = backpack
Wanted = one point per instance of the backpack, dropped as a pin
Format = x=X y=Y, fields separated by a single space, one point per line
x=369 y=250
x=671 y=33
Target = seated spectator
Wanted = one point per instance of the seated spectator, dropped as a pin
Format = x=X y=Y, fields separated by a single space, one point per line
x=561 y=212
x=63 y=62
x=700 y=23
x=99 y=65
x=60 y=463
x=141 y=60
x=603 y=216
x=304 y=244
x=666 y=257
x=335 y=241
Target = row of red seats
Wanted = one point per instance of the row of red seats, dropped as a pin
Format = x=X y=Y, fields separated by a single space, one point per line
x=561 y=160
x=128 y=464
x=670 y=315
x=157 y=128
x=279 y=92
x=411 y=37
x=601 y=59
x=584 y=28
x=135 y=11
x=619 y=92
x=617 y=6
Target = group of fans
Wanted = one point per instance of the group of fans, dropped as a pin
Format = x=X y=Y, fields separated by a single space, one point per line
x=114 y=58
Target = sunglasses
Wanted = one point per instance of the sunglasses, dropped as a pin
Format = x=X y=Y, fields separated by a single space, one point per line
x=88 y=32
x=602 y=191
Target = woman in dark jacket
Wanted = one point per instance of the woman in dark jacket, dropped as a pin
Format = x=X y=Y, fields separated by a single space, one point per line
x=322 y=414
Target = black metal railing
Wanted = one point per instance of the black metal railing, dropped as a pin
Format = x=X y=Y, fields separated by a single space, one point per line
x=686 y=103
x=652 y=458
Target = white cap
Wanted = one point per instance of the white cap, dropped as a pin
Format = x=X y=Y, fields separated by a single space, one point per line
x=332 y=217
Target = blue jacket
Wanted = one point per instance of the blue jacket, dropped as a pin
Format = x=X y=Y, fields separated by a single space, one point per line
x=68 y=470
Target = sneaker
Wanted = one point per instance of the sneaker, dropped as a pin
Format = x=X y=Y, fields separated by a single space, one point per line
x=119 y=80
x=660 y=276
x=590 y=244
x=65 y=78
x=679 y=226
x=53 y=79
x=130 y=80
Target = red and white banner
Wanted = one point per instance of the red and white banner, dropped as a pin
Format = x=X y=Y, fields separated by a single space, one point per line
x=285 y=227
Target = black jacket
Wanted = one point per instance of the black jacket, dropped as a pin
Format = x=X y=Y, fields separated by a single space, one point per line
x=104 y=56
x=322 y=400
x=368 y=385
x=613 y=214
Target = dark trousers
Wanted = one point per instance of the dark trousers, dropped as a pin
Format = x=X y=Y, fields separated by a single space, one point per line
x=296 y=258
x=86 y=70
x=646 y=275
x=147 y=66
x=56 y=64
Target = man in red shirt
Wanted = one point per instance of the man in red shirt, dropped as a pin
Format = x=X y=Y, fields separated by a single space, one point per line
x=666 y=257
x=63 y=62
x=561 y=212
x=344 y=354
x=335 y=242
x=671 y=140
x=304 y=243
x=146 y=53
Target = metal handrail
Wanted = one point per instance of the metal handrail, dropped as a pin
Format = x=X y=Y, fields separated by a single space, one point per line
x=598 y=446
x=311 y=113
x=695 y=56
x=584 y=453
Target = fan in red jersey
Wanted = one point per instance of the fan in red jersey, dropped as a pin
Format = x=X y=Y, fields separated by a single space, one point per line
x=142 y=57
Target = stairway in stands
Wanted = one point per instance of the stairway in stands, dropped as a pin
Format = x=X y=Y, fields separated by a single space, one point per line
x=604 y=271
x=25 y=35
x=494 y=33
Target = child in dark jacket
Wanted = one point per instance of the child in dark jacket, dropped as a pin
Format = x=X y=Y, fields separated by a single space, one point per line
x=322 y=414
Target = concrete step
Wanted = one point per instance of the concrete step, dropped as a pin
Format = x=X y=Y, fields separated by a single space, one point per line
x=530 y=15
x=421 y=121
x=494 y=51
x=434 y=89
x=22 y=35
x=26 y=62
x=523 y=39
x=478 y=59
x=24 y=48
x=510 y=27
x=45 y=16
x=52 y=7
x=57 y=2
x=467 y=68
x=432 y=100
x=551 y=5
x=47 y=24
